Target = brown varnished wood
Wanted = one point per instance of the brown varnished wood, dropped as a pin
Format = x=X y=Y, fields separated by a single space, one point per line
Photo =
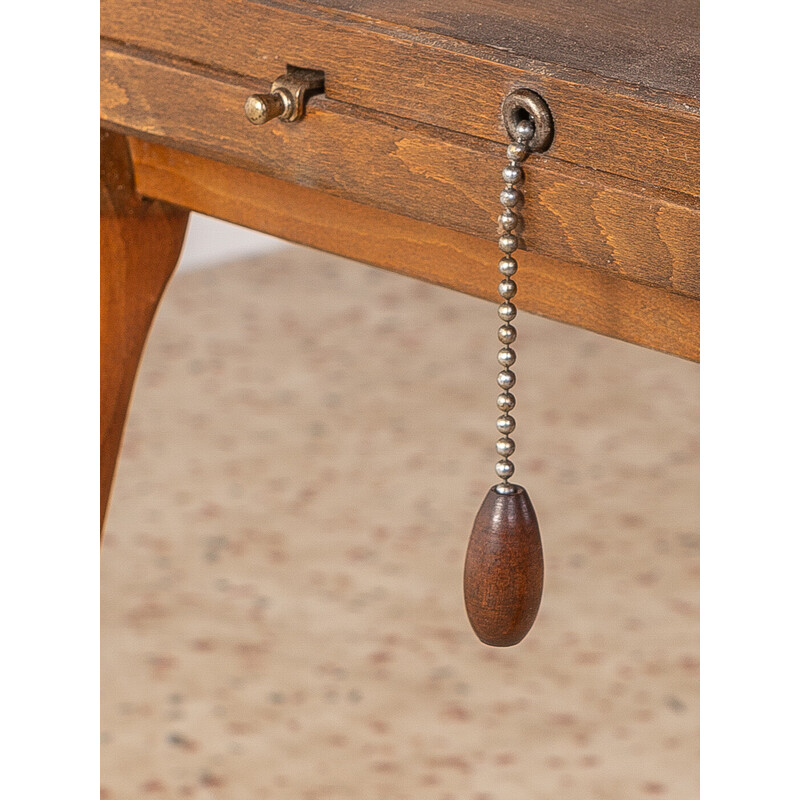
x=504 y=568
x=451 y=67
x=637 y=41
x=140 y=241
x=574 y=214
x=560 y=290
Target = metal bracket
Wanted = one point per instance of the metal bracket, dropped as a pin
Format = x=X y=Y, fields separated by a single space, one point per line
x=287 y=98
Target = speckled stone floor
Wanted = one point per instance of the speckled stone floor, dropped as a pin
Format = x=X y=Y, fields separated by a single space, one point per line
x=308 y=443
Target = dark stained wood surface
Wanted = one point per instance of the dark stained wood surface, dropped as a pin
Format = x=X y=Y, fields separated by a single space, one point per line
x=504 y=569
x=574 y=214
x=140 y=241
x=652 y=44
x=602 y=302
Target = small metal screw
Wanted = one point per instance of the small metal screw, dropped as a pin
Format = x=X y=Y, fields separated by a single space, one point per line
x=261 y=108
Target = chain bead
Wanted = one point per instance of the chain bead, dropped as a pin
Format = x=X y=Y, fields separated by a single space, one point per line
x=506 y=357
x=506 y=334
x=517 y=151
x=504 y=469
x=505 y=447
x=506 y=424
x=507 y=266
x=507 y=220
x=509 y=197
x=507 y=311
x=506 y=401
x=506 y=379
x=512 y=174
x=507 y=288
x=524 y=131
x=507 y=242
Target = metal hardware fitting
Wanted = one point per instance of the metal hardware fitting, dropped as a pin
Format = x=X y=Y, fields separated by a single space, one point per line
x=287 y=97
x=526 y=104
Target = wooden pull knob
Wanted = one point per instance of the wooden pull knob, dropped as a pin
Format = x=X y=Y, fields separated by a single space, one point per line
x=504 y=569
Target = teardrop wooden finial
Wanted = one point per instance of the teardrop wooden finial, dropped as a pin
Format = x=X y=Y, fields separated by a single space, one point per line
x=504 y=568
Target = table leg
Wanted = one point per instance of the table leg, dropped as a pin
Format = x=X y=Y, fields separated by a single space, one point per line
x=140 y=241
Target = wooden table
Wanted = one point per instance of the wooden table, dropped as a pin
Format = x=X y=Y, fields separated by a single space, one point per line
x=397 y=164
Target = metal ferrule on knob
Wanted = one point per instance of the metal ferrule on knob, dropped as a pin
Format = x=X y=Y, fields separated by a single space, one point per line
x=510 y=198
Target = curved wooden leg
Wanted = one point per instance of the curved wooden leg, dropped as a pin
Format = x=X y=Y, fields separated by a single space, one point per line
x=140 y=241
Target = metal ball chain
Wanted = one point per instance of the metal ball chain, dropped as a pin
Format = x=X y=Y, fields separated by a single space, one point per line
x=508 y=241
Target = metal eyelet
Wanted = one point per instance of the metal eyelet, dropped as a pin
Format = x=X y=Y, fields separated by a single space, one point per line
x=526 y=104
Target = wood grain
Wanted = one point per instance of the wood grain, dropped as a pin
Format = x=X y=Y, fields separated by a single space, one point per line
x=606 y=223
x=560 y=290
x=140 y=241
x=504 y=569
x=638 y=41
x=438 y=70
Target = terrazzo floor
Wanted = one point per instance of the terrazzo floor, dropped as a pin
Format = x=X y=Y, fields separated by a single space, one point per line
x=307 y=446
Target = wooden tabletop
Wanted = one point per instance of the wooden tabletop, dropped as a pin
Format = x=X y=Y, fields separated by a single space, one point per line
x=649 y=44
